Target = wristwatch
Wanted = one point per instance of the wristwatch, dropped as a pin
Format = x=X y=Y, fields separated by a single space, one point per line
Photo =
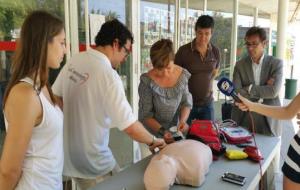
x=161 y=131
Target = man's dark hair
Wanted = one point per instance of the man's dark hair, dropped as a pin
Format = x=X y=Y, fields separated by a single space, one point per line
x=205 y=21
x=257 y=31
x=113 y=30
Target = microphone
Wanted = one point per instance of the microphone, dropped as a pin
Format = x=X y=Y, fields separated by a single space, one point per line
x=227 y=88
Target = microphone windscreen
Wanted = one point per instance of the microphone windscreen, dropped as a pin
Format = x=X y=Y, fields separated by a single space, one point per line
x=225 y=86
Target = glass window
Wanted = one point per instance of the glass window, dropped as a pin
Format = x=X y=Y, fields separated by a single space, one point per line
x=244 y=23
x=101 y=11
x=12 y=14
x=222 y=39
x=157 y=22
x=187 y=25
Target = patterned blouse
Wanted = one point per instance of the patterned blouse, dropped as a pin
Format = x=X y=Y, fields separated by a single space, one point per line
x=163 y=104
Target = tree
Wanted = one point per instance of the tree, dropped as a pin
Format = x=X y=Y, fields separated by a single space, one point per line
x=110 y=15
x=12 y=13
x=222 y=38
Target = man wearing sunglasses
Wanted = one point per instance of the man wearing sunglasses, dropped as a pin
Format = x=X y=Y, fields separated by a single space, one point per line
x=94 y=101
x=258 y=77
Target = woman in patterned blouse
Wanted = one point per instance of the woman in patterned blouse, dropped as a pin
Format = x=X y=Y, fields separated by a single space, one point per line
x=165 y=100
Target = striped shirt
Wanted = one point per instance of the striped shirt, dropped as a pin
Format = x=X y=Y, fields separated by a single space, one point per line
x=291 y=166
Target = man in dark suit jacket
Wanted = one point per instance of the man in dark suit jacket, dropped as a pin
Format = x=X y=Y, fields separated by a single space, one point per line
x=258 y=77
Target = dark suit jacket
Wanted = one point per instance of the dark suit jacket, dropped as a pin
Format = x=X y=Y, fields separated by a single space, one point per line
x=243 y=77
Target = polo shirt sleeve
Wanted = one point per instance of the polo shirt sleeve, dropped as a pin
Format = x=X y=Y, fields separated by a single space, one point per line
x=116 y=105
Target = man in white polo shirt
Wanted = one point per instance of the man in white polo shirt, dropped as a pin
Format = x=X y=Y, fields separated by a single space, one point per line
x=94 y=101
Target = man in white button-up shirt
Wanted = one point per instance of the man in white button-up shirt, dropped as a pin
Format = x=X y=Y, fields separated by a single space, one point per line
x=258 y=77
x=94 y=101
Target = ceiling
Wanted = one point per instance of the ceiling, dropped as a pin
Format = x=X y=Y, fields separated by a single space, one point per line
x=267 y=8
x=271 y=7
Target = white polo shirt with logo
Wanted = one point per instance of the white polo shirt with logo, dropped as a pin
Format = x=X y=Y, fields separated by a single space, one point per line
x=93 y=102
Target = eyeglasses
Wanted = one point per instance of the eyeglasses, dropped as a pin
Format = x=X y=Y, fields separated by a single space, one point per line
x=127 y=51
x=254 y=45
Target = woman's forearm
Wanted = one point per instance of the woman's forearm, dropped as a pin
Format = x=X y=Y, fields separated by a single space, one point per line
x=9 y=179
x=277 y=112
x=184 y=114
x=152 y=124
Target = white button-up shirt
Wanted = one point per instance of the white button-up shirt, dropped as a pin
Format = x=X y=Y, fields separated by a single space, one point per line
x=257 y=69
x=257 y=72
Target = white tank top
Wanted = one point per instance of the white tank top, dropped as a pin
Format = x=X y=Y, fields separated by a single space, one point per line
x=43 y=163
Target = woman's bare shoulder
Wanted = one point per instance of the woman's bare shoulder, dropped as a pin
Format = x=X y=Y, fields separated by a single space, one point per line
x=22 y=94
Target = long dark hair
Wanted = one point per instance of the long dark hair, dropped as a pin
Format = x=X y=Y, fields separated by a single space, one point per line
x=30 y=59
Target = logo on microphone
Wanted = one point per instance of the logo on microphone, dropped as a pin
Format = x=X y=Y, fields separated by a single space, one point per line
x=225 y=85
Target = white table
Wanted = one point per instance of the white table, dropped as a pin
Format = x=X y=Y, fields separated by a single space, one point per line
x=132 y=177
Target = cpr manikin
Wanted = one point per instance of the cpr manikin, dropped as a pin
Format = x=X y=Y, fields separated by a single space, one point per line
x=183 y=162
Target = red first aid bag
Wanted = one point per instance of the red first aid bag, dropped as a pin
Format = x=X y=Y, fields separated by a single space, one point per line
x=206 y=132
x=253 y=153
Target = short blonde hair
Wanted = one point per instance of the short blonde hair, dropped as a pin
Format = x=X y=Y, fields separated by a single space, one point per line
x=161 y=53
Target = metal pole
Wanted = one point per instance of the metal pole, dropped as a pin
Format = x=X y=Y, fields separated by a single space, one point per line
x=87 y=24
x=136 y=67
x=282 y=21
x=255 y=16
x=186 y=20
x=204 y=6
x=177 y=24
x=74 y=27
x=233 y=37
x=67 y=28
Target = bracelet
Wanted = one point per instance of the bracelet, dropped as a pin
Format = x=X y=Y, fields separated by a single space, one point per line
x=153 y=140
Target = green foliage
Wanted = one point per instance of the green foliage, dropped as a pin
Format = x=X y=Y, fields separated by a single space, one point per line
x=12 y=13
x=222 y=31
x=222 y=39
x=110 y=15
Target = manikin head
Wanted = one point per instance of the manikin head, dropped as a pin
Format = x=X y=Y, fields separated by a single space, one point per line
x=183 y=162
x=161 y=173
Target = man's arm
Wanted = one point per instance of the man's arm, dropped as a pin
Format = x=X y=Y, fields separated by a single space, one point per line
x=237 y=81
x=272 y=87
x=119 y=111
x=215 y=72
x=137 y=132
